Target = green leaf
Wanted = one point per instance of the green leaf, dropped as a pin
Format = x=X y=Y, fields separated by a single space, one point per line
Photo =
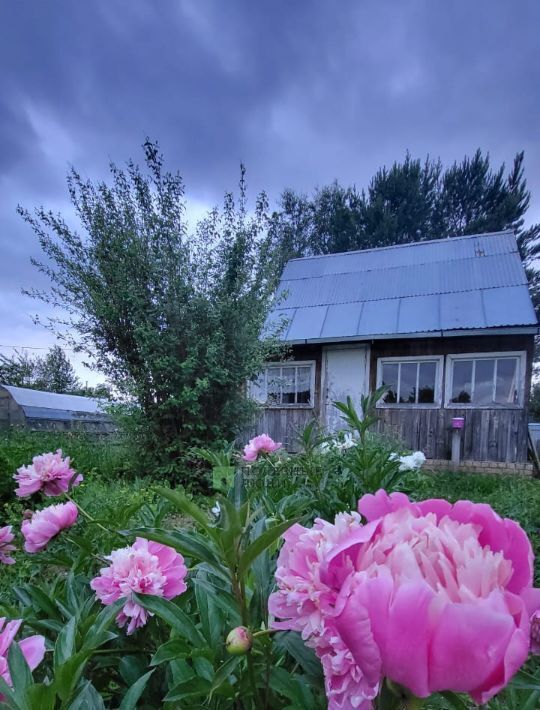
x=220 y=597
x=176 y=648
x=129 y=701
x=287 y=685
x=263 y=542
x=454 y=700
x=65 y=643
x=292 y=643
x=42 y=601
x=98 y=632
x=68 y=674
x=87 y=699
x=193 y=688
x=223 y=672
x=172 y=615
x=41 y=696
x=188 y=507
x=20 y=672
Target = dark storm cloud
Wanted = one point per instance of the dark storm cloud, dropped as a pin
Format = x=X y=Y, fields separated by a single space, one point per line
x=302 y=92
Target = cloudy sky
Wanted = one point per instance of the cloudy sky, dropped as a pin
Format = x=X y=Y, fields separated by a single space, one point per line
x=303 y=92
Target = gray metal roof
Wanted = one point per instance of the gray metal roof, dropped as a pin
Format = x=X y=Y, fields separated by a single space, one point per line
x=460 y=283
x=49 y=405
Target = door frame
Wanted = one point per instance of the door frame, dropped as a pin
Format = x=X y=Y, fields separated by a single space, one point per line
x=341 y=346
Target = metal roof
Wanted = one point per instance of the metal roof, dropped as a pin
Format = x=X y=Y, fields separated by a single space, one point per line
x=459 y=283
x=49 y=405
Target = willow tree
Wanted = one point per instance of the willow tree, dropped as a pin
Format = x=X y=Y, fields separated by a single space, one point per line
x=173 y=317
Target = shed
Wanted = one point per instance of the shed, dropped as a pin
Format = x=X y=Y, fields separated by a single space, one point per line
x=448 y=325
x=34 y=409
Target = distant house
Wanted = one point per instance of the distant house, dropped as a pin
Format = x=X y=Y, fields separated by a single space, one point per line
x=34 y=409
x=448 y=325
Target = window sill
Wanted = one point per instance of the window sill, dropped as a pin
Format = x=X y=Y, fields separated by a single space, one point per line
x=457 y=405
x=435 y=405
x=287 y=406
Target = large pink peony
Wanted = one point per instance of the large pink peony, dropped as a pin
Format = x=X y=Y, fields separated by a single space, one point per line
x=262 y=444
x=32 y=647
x=145 y=568
x=45 y=524
x=431 y=595
x=48 y=472
x=6 y=538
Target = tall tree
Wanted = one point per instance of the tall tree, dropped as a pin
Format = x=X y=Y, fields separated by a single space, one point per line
x=18 y=370
x=51 y=373
x=172 y=317
x=55 y=373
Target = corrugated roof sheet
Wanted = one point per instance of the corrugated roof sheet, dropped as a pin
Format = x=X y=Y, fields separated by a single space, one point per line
x=472 y=282
x=48 y=405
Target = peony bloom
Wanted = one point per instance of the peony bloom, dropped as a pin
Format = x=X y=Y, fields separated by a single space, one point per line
x=145 y=568
x=32 y=647
x=6 y=538
x=431 y=595
x=48 y=472
x=411 y=462
x=262 y=444
x=45 y=524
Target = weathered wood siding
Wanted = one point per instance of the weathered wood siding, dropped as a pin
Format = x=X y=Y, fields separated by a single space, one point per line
x=498 y=434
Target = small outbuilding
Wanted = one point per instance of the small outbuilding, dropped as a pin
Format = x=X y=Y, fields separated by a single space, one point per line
x=37 y=410
x=447 y=325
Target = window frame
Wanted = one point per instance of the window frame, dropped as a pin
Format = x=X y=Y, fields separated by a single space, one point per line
x=437 y=396
x=520 y=355
x=288 y=363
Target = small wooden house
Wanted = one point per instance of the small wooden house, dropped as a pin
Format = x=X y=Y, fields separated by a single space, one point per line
x=47 y=411
x=448 y=325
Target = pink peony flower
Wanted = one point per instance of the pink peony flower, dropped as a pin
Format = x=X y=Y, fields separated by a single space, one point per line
x=145 y=568
x=48 y=472
x=6 y=538
x=262 y=444
x=45 y=524
x=433 y=596
x=32 y=647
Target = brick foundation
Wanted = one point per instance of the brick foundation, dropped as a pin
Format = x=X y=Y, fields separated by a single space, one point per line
x=502 y=468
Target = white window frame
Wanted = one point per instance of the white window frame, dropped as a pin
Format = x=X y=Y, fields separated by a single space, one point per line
x=436 y=404
x=287 y=363
x=521 y=356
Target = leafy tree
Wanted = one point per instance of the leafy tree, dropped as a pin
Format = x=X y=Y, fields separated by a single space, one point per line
x=173 y=318
x=55 y=373
x=51 y=373
x=18 y=370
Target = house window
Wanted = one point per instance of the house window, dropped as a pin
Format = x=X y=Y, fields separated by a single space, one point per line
x=413 y=381
x=494 y=379
x=285 y=385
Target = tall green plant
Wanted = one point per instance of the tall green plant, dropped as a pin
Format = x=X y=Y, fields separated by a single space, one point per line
x=173 y=317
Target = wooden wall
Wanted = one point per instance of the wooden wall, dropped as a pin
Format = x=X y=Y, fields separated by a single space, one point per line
x=490 y=434
x=497 y=434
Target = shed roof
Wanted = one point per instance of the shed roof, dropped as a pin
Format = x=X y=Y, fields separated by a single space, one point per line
x=470 y=283
x=49 y=405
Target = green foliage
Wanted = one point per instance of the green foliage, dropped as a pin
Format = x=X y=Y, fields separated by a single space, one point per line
x=173 y=317
x=179 y=658
x=51 y=373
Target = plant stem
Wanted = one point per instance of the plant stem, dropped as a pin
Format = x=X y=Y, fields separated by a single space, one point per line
x=91 y=519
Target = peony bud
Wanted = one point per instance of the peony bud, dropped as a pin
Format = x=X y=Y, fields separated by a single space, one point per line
x=239 y=641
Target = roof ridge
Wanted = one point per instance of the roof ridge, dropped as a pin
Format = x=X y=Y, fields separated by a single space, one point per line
x=438 y=240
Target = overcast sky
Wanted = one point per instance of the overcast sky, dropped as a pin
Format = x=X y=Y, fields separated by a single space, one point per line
x=303 y=92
